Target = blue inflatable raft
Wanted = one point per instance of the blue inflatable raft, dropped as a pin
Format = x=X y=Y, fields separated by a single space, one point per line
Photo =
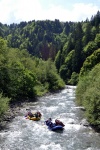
x=53 y=126
x=56 y=127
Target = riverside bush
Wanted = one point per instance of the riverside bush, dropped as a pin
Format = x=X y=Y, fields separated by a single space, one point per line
x=4 y=104
x=88 y=95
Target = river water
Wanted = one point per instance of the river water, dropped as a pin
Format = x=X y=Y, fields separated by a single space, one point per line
x=24 y=134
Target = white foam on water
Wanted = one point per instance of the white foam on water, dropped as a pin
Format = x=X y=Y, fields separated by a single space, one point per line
x=90 y=148
x=69 y=120
x=41 y=129
x=62 y=115
x=70 y=114
x=6 y=148
x=72 y=97
x=51 y=146
x=63 y=91
x=72 y=127
x=51 y=108
x=11 y=136
x=53 y=98
x=61 y=98
x=79 y=107
x=61 y=104
x=35 y=135
x=2 y=134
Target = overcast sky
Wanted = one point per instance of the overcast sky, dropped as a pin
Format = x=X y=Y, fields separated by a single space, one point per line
x=15 y=11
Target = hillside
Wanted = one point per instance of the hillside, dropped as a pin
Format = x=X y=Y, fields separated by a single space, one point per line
x=42 y=56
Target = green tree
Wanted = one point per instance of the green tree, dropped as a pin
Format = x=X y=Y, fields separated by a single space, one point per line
x=90 y=62
x=97 y=40
x=78 y=58
x=88 y=34
x=74 y=79
x=88 y=95
x=57 y=60
x=4 y=105
x=66 y=69
x=90 y=48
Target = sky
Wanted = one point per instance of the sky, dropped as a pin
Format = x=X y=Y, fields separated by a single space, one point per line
x=16 y=11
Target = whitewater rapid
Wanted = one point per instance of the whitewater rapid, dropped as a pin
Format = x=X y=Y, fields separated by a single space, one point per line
x=24 y=134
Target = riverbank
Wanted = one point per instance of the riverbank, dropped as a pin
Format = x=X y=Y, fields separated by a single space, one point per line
x=10 y=114
x=15 y=108
x=26 y=134
x=13 y=111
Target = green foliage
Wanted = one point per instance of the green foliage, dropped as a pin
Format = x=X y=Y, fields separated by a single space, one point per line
x=22 y=82
x=66 y=69
x=92 y=105
x=90 y=48
x=97 y=40
x=93 y=32
x=55 y=82
x=73 y=46
x=47 y=78
x=68 y=46
x=88 y=95
x=43 y=39
x=41 y=89
x=36 y=36
x=19 y=79
x=90 y=62
x=81 y=88
x=58 y=60
x=24 y=76
x=74 y=79
x=88 y=34
x=4 y=104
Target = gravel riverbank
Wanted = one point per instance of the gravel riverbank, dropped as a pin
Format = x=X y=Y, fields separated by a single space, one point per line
x=9 y=115
x=12 y=112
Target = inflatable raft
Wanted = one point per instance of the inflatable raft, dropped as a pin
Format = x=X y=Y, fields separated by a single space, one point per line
x=33 y=118
x=54 y=126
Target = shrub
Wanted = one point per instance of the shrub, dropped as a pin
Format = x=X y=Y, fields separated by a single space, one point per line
x=4 y=104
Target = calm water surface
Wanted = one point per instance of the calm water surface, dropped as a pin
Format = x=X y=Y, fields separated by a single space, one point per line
x=23 y=134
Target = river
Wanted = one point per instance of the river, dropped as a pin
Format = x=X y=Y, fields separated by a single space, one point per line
x=24 y=134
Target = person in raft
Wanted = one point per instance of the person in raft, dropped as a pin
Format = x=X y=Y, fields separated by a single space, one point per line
x=49 y=122
x=30 y=114
x=58 y=122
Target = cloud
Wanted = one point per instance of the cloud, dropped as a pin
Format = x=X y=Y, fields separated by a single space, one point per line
x=79 y=12
x=26 y=10
x=82 y=11
x=19 y=10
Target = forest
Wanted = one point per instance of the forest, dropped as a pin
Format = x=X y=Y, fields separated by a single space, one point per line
x=38 y=57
